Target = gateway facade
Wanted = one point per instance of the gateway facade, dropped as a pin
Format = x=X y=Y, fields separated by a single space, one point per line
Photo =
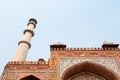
x=64 y=63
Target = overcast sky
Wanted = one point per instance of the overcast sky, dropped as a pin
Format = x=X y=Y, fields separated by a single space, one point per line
x=76 y=23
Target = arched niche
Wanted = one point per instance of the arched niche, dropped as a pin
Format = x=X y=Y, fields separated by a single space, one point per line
x=89 y=67
x=30 y=77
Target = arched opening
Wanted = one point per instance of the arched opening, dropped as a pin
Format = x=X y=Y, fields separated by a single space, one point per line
x=31 y=77
x=86 y=76
x=86 y=70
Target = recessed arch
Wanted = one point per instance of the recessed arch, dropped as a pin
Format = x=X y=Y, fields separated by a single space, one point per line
x=30 y=77
x=91 y=67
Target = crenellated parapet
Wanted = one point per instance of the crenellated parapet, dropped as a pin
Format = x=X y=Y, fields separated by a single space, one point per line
x=105 y=47
x=26 y=65
x=60 y=50
x=27 y=62
x=85 y=49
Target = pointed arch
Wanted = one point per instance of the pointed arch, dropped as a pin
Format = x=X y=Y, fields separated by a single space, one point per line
x=30 y=77
x=92 y=68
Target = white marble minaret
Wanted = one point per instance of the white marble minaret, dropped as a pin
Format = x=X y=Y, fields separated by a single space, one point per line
x=24 y=44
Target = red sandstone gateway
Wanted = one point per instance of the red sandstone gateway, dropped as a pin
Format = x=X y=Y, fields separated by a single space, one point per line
x=64 y=63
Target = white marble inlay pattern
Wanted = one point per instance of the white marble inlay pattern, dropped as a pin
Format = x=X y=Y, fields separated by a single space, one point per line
x=69 y=61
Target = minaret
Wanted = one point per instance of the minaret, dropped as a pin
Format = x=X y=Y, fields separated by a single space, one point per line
x=24 y=44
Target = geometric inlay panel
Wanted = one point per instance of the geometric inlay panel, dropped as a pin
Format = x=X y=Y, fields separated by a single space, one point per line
x=66 y=62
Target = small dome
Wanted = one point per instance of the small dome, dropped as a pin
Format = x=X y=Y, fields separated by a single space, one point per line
x=34 y=20
x=41 y=59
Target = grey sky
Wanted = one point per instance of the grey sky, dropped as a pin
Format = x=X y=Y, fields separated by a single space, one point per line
x=77 y=23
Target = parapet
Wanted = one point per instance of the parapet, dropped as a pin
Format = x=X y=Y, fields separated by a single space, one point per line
x=26 y=65
x=105 y=46
x=83 y=49
x=27 y=62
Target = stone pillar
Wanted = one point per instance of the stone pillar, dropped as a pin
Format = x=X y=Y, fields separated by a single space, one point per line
x=24 y=44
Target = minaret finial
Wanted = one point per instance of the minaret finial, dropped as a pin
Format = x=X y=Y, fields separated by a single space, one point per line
x=24 y=44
